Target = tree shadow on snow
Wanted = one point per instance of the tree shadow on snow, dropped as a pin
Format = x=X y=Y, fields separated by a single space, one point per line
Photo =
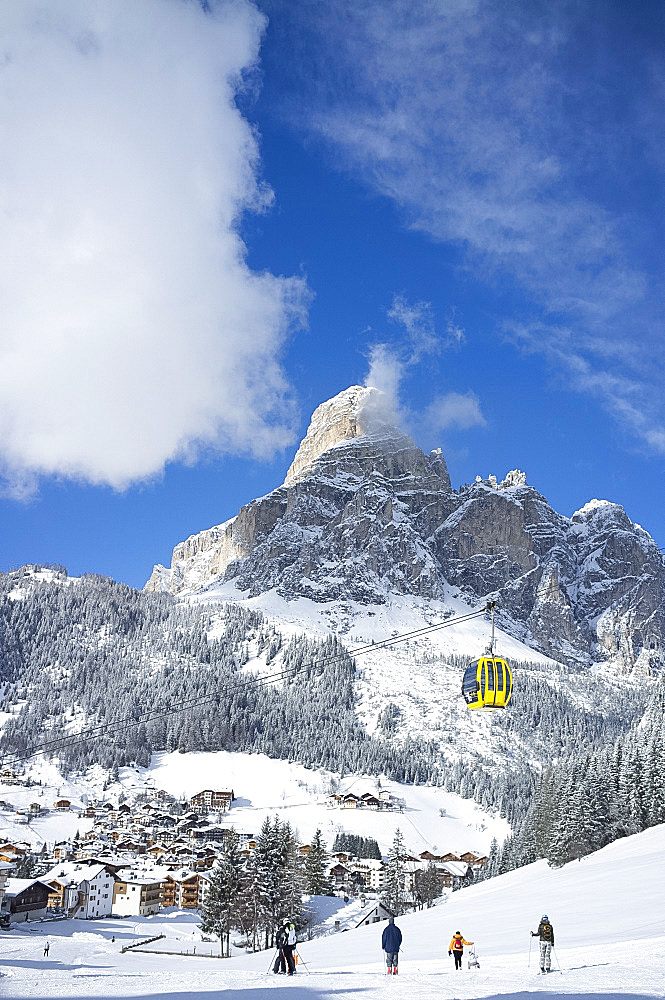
x=559 y=995
x=292 y=991
x=45 y=963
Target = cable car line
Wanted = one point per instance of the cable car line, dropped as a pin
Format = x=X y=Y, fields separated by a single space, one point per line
x=103 y=729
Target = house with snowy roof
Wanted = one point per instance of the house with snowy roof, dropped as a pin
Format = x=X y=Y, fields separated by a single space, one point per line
x=81 y=890
x=12 y=851
x=453 y=873
x=373 y=914
x=25 y=899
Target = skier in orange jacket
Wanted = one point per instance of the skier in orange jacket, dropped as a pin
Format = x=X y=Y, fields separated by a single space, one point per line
x=456 y=948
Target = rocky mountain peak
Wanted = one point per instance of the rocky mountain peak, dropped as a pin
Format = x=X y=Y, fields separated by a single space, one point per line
x=359 y=411
x=364 y=514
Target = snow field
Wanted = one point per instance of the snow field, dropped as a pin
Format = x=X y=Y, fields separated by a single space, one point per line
x=607 y=912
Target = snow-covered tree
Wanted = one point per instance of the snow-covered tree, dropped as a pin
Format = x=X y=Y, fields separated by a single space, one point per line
x=219 y=913
x=394 y=895
x=316 y=865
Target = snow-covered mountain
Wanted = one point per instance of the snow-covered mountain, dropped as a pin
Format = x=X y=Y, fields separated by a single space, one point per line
x=364 y=517
x=366 y=539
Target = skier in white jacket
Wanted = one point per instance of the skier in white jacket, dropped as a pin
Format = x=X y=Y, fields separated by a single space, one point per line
x=289 y=947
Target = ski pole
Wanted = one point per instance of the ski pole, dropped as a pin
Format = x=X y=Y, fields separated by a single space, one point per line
x=272 y=962
x=301 y=959
x=557 y=960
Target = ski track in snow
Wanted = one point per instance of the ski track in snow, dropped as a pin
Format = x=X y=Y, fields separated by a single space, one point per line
x=607 y=912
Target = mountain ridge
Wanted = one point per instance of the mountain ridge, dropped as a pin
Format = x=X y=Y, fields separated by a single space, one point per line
x=364 y=514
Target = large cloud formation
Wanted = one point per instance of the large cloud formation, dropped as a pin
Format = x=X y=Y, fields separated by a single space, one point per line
x=132 y=330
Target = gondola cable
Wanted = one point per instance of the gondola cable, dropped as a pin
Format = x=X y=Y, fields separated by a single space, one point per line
x=103 y=729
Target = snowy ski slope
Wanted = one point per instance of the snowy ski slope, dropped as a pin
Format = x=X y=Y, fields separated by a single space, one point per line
x=607 y=911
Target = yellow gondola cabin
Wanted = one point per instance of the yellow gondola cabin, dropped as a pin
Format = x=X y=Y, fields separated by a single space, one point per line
x=487 y=683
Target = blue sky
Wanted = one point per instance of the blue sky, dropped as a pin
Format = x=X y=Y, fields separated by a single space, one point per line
x=214 y=219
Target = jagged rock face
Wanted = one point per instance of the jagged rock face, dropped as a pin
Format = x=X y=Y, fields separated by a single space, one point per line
x=364 y=513
x=348 y=522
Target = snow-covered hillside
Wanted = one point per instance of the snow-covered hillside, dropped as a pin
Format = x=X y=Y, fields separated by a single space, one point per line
x=606 y=910
x=264 y=787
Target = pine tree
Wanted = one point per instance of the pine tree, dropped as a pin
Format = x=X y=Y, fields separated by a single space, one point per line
x=220 y=910
x=394 y=894
x=427 y=886
x=316 y=865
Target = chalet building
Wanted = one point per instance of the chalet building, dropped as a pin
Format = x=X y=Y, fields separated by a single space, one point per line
x=181 y=889
x=205 y=862
x=62 y=805
x=25 y=899
x=81 y=890
x=375 y=913
x=5 y=872
x=474 y=860
x=372 y=871
x=453 y=874
x=339 y=875
x=63 y=851
x=130 y=847
x=368 y=800
x=211 y=800
x=136 y=894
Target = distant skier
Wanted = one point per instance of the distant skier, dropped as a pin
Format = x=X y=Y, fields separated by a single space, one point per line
x=289 y=947
x=391 y=942
x=46 y=949
x=456 y=948
x=546 y=934
x=280 y=960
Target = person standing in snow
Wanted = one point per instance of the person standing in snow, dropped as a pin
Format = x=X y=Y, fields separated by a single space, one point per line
x=391 y=941
x=289 y=947
x=546 y=934
x=46 y=949
x=456 y=948
x=280 y=960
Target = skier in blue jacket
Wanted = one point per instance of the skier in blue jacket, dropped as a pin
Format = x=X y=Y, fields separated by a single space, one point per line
x=391 y=940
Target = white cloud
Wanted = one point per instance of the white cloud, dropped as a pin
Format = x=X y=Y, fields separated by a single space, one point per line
x=132 y=330
x=453 y=409
x=390 y=365
x=418 y=324
x=386 y=371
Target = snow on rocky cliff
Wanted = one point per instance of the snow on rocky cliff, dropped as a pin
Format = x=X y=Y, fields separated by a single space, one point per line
x=364 y=517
